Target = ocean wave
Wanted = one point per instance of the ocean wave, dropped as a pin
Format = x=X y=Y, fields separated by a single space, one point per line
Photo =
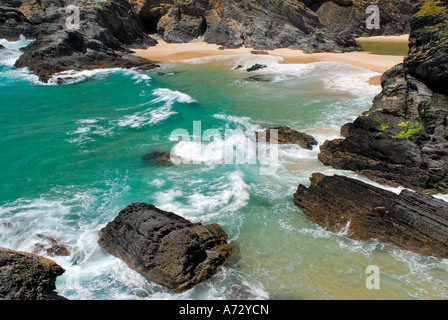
x=336 y=76
x=153 y=116
x=207 y=200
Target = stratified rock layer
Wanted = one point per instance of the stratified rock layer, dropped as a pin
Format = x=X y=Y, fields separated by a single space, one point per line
x=164 y=247
x=26 y=276
x=412 y=221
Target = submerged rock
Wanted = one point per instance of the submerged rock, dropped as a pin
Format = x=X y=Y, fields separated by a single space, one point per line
x=51 y=246
x=164 y=247
x=287 y=135
x=26 y=276
x=411 y=220
x=160 y=157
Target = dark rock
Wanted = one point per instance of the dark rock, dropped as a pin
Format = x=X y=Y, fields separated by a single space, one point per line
x=402 y=139
x=262 y=25
x=26 y=276
x=106 y=32
x=411 y=220
x=259 y=52
x=51 y=246
x=14 y=23
x=287 y=135
x=164 y=247
x=256 y=67
x=260 y=78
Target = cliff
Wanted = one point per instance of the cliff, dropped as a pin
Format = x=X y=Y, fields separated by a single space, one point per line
x=402 y=139
x=108 y=29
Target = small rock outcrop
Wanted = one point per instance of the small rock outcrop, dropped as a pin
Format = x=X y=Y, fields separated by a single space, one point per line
x=287 y=135
x=164 y=247
x=160 y=157
x=411 y=220
x=26 y=276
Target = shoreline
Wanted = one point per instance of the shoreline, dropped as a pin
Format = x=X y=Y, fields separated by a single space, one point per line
x=165 y=52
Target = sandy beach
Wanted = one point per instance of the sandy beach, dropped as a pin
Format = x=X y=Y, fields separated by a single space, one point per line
x=171 y=52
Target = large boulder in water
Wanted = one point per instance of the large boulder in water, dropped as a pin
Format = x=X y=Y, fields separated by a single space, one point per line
x=164 y=247
x=26 y=276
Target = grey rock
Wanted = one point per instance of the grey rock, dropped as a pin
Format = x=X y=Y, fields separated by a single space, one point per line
x=164 y=247
x=410 y=220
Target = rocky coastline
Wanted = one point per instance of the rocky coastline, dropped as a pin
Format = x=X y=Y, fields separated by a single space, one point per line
x=108 y=30
x=401 y=141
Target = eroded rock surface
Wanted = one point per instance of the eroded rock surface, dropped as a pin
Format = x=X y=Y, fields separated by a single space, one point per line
x=164 y=247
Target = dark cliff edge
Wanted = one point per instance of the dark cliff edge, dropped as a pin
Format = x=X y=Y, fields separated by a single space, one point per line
x=402 y=139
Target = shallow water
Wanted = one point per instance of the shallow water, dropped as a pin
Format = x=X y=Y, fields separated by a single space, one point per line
x=72 y=159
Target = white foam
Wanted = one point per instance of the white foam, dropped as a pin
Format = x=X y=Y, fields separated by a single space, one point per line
x=335 y=75
x=153 y=116
x=225 y=195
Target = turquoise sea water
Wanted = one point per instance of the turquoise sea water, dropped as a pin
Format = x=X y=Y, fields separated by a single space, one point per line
x=72 y=157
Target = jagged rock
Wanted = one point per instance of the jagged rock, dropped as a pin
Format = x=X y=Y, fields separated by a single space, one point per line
x=26 y=276
x=287 y=135
x=403 y=138
x=14 y=23
x=265 y=24
x=164 y=247
x=349 y=17
x=106 y=31
x=51 y=246
x=411 y=220
x=256 y=67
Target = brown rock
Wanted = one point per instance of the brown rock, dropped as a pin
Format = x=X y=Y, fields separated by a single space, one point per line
x=26 y=276
x=164 y=247
x=411 y=220
x=287 y=135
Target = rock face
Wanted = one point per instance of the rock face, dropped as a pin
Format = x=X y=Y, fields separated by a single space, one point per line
x=263 y=24
x=14 y=23
x=349 y=16
x=412 y=221
x=402 y=139
x=164 y=247
x=313 y=26
x=25 y=276
x=286 y=135
x=106 y=31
